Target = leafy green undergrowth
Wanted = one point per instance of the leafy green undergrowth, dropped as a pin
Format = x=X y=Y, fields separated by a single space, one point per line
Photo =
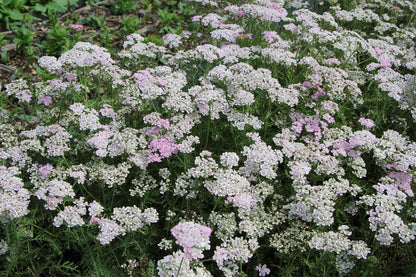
x=50 y=27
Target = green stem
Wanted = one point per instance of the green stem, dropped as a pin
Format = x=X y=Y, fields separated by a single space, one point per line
x=40 y=228
x=179 y=269
x=207 y=136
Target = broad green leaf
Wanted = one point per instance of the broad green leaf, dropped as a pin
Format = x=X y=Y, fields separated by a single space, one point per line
x=34 y=18
x=59 y=6
x=39 y=8
x=14 y=14
x=23 y=117
x=6 y=3
x=19 y=3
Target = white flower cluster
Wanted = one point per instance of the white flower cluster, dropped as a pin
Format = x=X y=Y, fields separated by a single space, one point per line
x=53 y=192
x=229 y=159
x=13 y=196
x=317 y=203
x=240 y=120
x=3 y=247
x=292 y=238
x=72 y=214
x=132 y=218
x=124 y=219
x=230 y=253
x=172 y=40
x=268 y=11
x=177 y=265
x=227 y=182
x=386 y=204
x=55 y=144
x=20 y=90
x=209 y=100
x=338 y=242
x=226 y=225
x=110 y=174
x=261 y=159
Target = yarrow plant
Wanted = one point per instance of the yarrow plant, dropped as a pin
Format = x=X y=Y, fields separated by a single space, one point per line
x=279 y=142
x=77 y=27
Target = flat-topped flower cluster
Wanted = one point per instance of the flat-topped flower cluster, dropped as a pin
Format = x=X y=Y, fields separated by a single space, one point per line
x=285 y=131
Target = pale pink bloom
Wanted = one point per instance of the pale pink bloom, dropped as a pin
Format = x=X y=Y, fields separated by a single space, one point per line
x=270 y=36
x=391 y=166
x=332 y=61
x=385 y=63
x=77 y=27
x=45 y=170
x=328 y=118
x=153 y=130
x=220 y=255
x=154 y=158
x=403 y=180
x=193 y=237
x=26 y=97
x=240 y=13
x=366 y=122
x=196 y=18
x=163 y=146
x=243 y=36
x=47 y=100
x=263 y=270
x=243 y=200
x=95 y=219
x=320 y=92
x=307 y=84
x=276 y=8
x=163 y=123
x=378 y=51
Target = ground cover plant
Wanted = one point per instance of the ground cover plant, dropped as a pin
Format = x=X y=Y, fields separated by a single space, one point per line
x=280 y=142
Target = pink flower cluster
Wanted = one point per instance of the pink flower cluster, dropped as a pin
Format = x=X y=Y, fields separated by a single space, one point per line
x=162 y=123
x=310 y=124
x=193 y=237
x=161 y=148
x=403 y=181
x=263 y=270
x=244 y=36
x=45 y=170
x=77 y=27
x=366 y=122
x=47 y=100
x=319 y=93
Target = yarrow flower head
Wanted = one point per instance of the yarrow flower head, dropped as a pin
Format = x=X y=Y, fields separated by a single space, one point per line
x=193 y=237
x=240 y=13
x=366 y=122
x=172 y=40
x=45 y=170
x=263 y=270
x=47 y=100
x=161 y=148
x=244 y=36
x=77 y=27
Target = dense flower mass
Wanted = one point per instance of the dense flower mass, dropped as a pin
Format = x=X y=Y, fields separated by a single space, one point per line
x=193 y=238
x=282 y=130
